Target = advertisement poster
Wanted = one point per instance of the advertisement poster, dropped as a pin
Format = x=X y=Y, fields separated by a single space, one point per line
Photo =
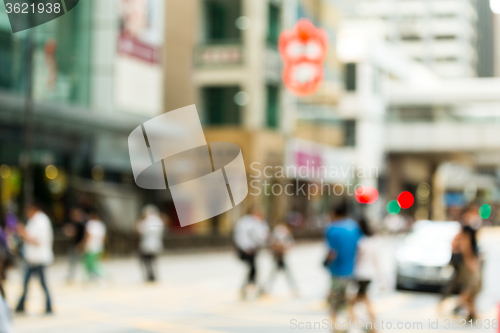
x=139 y=54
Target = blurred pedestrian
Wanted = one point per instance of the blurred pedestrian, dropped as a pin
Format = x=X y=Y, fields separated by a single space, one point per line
x=470 y=216
x=38 y=237
x=151 y=230
x=8 y=233
x=457 y=262
x=5 y=320
x=366 y=268
x=281 y=241
x=3 y=249
x=395 y=224
x=75 y=230
x=93 y=245
x=342 y=236
x=250 y=234
x=471 y=271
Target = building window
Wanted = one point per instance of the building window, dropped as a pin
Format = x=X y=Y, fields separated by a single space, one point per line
x=445 y=37
x=411 y=114
x=274 y=22
x=273 y=107
x=446 y=59
x=350 y=76
x=219 y=106
x=446 y=16
x=350 y=133
x=411 y=37
x=220 y=20
x=5 y=60
x=61 y=52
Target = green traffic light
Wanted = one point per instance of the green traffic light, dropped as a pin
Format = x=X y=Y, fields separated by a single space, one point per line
x=393 y=207
x=485 y=211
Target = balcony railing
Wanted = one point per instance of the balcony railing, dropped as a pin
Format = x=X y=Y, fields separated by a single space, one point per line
x=219 y=55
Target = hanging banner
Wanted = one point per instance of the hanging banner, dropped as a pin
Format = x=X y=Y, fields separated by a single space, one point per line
x=138 y=71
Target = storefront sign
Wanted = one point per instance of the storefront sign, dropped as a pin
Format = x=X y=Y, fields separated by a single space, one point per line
x=303 y=50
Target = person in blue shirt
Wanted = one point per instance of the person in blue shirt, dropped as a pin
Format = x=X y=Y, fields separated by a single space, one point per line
x=342 y=236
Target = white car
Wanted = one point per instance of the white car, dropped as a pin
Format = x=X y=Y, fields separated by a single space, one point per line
x=424 y=256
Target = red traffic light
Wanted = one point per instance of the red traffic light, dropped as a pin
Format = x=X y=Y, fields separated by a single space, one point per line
x=366 y=195
x=406 y=200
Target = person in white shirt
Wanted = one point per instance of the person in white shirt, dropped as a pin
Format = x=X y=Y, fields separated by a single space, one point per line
x=366 y=268
x=38 y=237
x=93 y=245
x=150 y=228
x=250 y=234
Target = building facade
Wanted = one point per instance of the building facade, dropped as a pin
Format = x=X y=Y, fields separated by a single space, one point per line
x=441 y=34
x=224 y=58
x=85 y=105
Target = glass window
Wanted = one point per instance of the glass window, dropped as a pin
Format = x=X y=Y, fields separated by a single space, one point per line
x=4 y=19
x=61 y=57
x=219 y=106
x=220 y=20
x=446 y=59
x=445 y=37
x=415 y=113
x=13 y=49
x=273 y=106
x=5 y=60
x=274 y=29
x=350 y=76
x=410 y=37
x=350 y=133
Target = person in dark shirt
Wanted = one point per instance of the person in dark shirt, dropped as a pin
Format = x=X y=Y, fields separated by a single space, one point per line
x=8 y=232
x=75 y=230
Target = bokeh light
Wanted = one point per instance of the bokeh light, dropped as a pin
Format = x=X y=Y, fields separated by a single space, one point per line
x=423 y=192
x=243 y=23
x=242 y=98
x=366 y=195
x=485 y=211
x=51 y=172
x=97 y=172
x=406 y=200
x=4 y=171
x=495 y=6
x=393 y=207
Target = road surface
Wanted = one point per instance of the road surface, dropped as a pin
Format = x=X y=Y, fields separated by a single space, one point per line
x=198 y=293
